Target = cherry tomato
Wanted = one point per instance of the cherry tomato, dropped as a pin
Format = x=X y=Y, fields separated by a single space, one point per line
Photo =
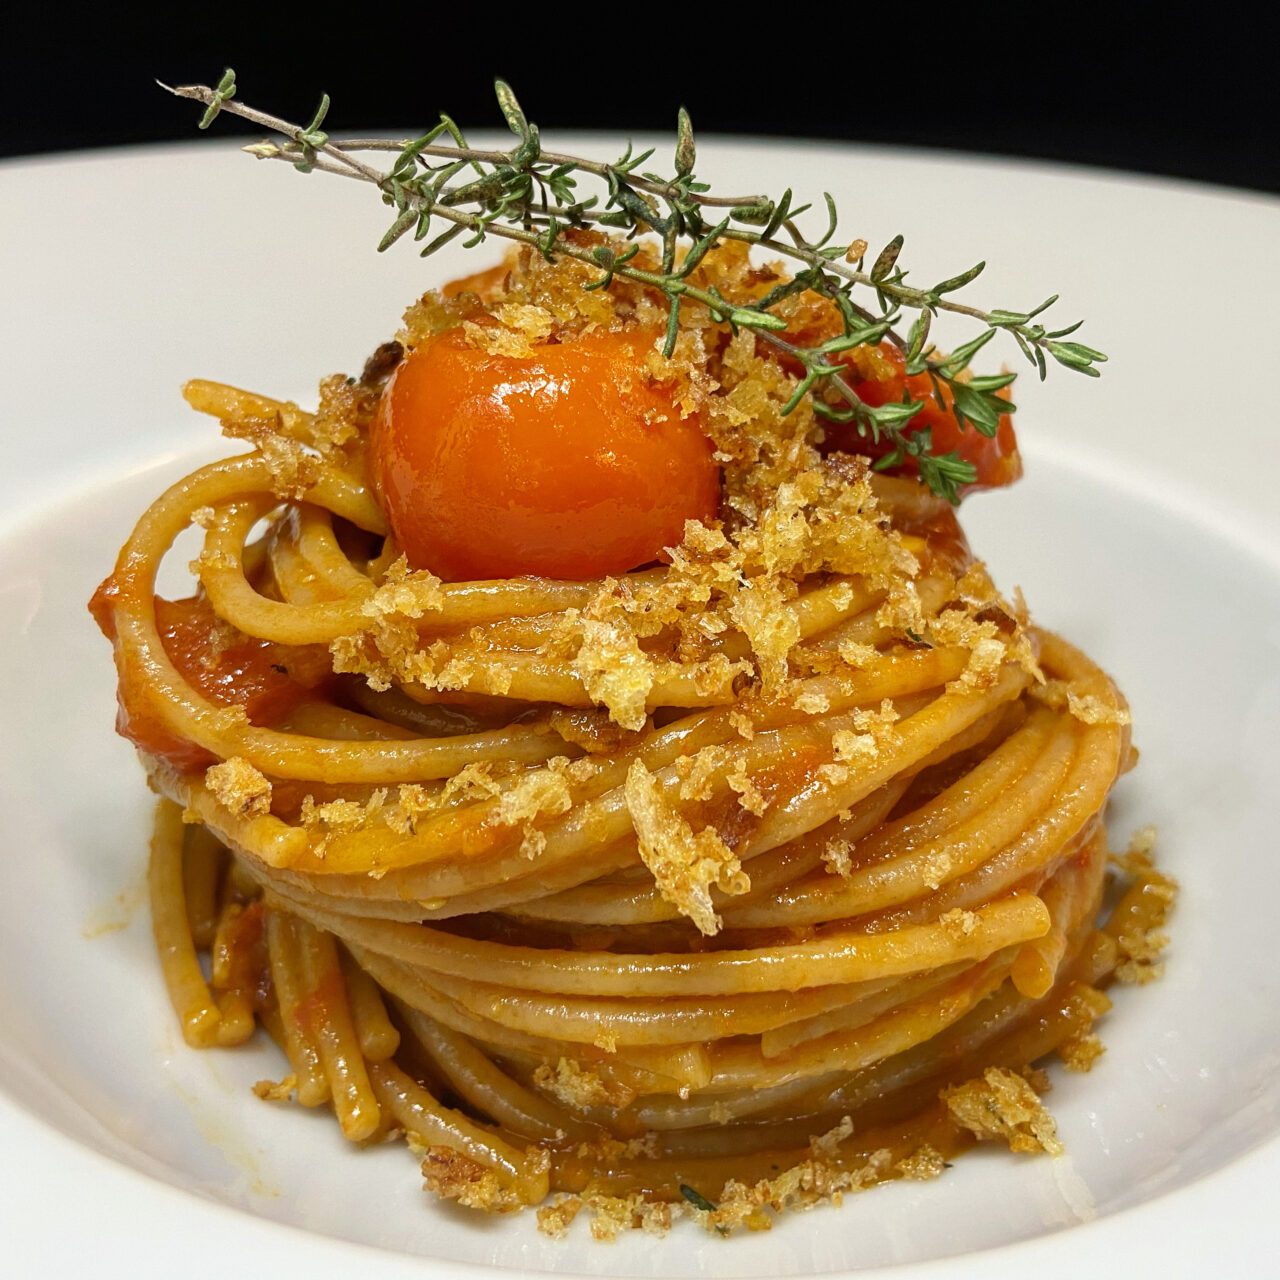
x=247 y=674
x=994 y=458
x=878 y=375
x=566 y=462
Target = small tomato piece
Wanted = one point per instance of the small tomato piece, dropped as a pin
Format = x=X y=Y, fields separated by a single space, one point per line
x=246 y=674
x=883 y=378
x=566 y=462
x=878 y=375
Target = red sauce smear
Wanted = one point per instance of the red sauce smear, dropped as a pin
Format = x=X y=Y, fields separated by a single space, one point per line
x=249 y=673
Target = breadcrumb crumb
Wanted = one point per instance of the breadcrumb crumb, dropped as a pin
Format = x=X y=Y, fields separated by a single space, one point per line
x=579 y=1087
x=453 y=1176
x=555 y=1218
x=1003 y=1105
x=239 y=788
x=685 y=865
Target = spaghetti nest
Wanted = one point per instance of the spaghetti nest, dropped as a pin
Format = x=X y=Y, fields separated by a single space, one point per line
x=743 y=879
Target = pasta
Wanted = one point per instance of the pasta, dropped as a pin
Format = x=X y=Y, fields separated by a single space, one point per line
x=753 y=875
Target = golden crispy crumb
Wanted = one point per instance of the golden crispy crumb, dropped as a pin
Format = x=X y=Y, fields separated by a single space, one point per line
x=958 y=922
x=342 y=815
x=1088 y=708
x=1141 y=951
x=937 y=868
x=453 y=1176
x=806 y=1184
x=271 y=1091
x=537 y=792
x=616 y=672
x=685 y=865
x=857 y=655
x=554 y=1219
x=924 y=1164
x=519 y=329
x=1137 y=857
x=1003 y=1105
x=749 y=794
x=579 y=1087
x=614 y=1214
x=698 y=773
x=238 y=787
x=1081 y=1052
x=474 y=781
x=835 y=856
x=1037 y=1079
x=404 y=593
x=828 y=1144
x=1141 y=941
x=811 y=702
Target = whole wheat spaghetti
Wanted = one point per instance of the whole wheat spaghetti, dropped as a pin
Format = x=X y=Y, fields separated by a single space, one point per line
x=754 y=874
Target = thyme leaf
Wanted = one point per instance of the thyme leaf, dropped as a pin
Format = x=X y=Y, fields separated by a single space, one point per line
x=531 y=196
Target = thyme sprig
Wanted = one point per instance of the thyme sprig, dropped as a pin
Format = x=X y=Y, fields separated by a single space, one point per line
x=439 y=183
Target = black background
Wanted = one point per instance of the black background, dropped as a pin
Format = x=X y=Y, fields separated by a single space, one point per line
x=1130 y=86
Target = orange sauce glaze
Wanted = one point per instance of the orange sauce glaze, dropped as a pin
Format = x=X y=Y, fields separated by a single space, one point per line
x=248 y=673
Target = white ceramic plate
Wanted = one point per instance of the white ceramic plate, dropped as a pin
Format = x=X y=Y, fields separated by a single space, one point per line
x=1147 y=529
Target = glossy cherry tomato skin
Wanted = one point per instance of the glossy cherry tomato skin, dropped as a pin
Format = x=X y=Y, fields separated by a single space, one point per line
x=245 y=674
x=566 y=462
x=878 y=375
x=994 y=458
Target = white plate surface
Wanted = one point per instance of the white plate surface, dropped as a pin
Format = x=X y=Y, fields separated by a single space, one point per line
x=1147 y=530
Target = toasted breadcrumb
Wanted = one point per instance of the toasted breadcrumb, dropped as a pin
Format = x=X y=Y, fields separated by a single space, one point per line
x=958 y=922
x=581 y=1088
x=616 y=672
x=1088 y=708
x=937 y=868
x=555 y=1218
x=836 y=856
x=342 y=815
x=1137 y=856
x=923 y=1165
x=802 y=1186
x=750 y=797
x=222 y=636
x=537 y=792
x=1003 y=1105
x=520 y=327
x=238 y=787
x=474 y=781
x=413 y=802
x=1142 y=944
x=273 y=1091
x=1141 y=950
x=811 y=702
x=612 y=1215
x=698 y=772
x=828 y=1144
x=685 y=865
x=1081 y=1052
x=1037 y=1078
x=453 y=1176
x=405 y=593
